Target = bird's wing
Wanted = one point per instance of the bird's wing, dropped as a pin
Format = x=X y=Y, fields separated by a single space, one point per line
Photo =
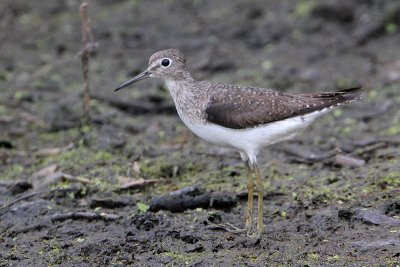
x=243 y=107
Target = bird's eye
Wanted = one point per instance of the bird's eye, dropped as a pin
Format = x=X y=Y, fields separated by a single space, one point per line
x=165 y=62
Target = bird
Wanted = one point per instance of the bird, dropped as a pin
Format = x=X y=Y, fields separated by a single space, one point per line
x=241 y=117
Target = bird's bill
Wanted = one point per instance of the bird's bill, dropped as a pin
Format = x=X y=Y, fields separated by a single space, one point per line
x=145 y=74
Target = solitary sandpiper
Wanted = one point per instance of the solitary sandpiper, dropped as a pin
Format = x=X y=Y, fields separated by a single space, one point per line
x=245 y=118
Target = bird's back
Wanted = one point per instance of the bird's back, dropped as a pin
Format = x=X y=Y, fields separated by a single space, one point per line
x=239 y=107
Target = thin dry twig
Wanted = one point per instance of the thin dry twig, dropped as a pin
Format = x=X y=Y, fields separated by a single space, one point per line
x=370 y=148
x=84 y=215
x=300 y=154
x=138 y=183
x=79 y=179
x=44 y=152
x=26 y=229
x=88 y=47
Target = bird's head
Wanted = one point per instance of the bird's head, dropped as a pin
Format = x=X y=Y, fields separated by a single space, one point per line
x=169 y=64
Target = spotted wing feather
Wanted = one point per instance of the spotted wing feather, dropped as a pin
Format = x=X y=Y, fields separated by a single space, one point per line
x=243 y=107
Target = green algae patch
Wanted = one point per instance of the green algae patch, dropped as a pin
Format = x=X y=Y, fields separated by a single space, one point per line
x=389 y=181
x=76 y=158
x=304 y=8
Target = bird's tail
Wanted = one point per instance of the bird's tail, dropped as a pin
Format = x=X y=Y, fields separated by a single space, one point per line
x=341 y=96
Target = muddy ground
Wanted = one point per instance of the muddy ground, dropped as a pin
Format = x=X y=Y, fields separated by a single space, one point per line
x=75 y=194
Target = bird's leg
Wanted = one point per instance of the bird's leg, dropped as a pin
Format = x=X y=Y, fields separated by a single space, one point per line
x=260 y=195
x=250 y=192
x=251 y=169
x=249 y=211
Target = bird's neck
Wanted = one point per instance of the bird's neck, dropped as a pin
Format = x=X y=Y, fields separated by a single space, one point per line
x=182 y=88
x=187 y=98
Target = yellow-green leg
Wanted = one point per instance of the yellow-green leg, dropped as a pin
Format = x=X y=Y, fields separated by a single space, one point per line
x=260 y=199
x=250 y=198
x=252 y=169
x=250 y=193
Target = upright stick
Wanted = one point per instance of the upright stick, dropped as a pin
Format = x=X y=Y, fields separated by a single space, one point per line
x=86 y=36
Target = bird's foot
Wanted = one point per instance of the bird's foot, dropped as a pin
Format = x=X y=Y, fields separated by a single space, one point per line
x=256 y=236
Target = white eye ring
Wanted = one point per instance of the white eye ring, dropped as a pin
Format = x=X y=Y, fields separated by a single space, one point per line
x=166 y=62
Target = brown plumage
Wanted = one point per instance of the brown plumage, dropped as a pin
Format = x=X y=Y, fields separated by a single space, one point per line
x=247 y=107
